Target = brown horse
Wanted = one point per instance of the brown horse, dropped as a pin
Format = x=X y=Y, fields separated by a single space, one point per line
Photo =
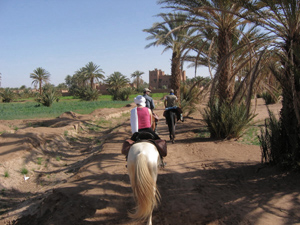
x=171 y=121
x=154 y=120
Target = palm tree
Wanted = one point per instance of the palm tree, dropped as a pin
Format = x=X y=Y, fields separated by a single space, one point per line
x=217 y=17
x=7 y=95
x=116 y=81
x=175 y=40
x=39 y=76
x=281 y=18
x=219 y=40
x=79 y=79
x=92 y=72
x=137 y=74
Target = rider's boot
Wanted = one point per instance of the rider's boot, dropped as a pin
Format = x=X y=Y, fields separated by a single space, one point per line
x=181 y=118
x=163 y=164
x=155 y=130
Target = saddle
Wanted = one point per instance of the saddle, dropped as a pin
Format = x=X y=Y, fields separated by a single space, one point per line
x=137 y=137
x=175 y=109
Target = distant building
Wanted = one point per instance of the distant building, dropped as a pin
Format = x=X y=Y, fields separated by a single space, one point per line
x=158 y=79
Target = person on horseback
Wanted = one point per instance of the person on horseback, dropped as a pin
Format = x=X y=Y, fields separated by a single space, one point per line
x=150 y=105
x=140 y=121
x=149 y=100
x=170 y=102
x=141 y=117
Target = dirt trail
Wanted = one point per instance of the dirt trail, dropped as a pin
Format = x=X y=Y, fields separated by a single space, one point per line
x=205 y=181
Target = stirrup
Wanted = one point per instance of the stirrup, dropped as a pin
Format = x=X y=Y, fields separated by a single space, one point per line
x=162 y=164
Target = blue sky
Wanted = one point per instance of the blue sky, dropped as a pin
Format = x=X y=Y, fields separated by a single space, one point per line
x=64 y=35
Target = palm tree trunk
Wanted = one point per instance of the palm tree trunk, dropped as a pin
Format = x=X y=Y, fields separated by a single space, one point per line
x=176 y=75
x=40 y=86
x=92 y=83
x=289 y=114
x=225 y=81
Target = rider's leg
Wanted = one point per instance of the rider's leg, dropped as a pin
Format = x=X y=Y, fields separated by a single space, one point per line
x=155 y=130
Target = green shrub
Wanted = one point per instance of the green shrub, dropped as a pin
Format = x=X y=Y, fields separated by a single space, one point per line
x=48 y=96
x=121 y=94
x=26 y=93
x=7 y=95
x=189 y=97
x=226 y=120
x=89 y=94
x=24 y=171
x=270 y=99
x=275 y=148
x=39 y=160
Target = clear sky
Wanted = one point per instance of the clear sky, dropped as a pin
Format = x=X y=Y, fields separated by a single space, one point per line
x=62 y=36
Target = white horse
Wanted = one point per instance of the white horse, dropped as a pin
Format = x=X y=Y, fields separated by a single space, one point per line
x=142 y=164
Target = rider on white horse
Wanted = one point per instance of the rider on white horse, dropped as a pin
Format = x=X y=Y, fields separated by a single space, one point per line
x=141 y=117
x=140 y=121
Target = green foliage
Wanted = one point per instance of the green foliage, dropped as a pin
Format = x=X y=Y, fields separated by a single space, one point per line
x=275 y=149
x=29 y=110
x=141 y=87
x=250 y=136
x=90 y=73
x=39 y=77
x=137 y=74
x=226 y=120
x=270 y=99
x=75 y=90
x=39 y=160
x=89 y=94
x=6 y=174
x=121 y=94
x=117 y=84
x=7 y=95
x=189 y=98
x=202 y=133
x=201 y=80
x=48 y=96
x=62 y=86
x=24 y=93
x=24 y=171
x=116 y=81
x=157 y=95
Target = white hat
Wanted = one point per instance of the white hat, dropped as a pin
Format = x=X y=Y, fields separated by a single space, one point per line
x=147 y=90
x=140 y=100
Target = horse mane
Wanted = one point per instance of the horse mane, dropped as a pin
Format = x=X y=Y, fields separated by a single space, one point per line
x=143 y=185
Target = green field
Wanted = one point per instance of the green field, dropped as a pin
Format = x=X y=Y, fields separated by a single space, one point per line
x=29 y=109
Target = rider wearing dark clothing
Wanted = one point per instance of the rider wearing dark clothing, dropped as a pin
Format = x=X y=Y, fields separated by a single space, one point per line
x=171 y=104
x=149 y=103
x=149 y=100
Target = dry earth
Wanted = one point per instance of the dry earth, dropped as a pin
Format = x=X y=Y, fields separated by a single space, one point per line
x=77 y=175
